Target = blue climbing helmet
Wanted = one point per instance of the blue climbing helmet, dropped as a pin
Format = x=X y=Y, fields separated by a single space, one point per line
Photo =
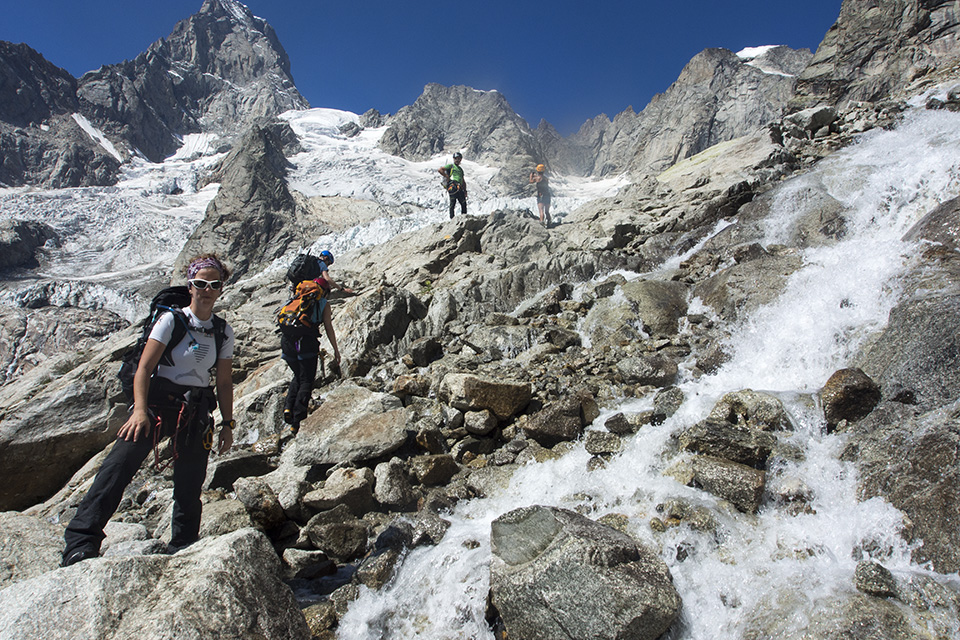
x=326 y=256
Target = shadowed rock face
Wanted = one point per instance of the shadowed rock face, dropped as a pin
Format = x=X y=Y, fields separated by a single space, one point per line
x=40 y=143
x=31 y=88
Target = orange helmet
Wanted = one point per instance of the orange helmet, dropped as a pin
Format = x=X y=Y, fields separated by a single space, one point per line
x=541 y=168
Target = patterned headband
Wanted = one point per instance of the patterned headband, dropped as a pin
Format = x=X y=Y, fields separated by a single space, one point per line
x=203 y=263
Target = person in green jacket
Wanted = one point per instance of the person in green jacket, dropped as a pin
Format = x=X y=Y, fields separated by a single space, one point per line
x=457 y=187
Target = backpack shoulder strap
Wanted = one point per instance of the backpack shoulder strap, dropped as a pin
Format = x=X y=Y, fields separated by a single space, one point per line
x=219 y=332
x=178 y=333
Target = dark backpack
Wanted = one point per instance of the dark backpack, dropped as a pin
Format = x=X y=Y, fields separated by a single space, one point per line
x=304 y=267
x=172 y=299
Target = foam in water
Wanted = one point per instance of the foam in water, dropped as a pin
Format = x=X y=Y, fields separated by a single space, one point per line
x=843 y=293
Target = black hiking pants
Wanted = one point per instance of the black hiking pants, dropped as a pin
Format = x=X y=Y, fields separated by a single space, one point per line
x=301 y=353
x=461 y=197
x=85 y=530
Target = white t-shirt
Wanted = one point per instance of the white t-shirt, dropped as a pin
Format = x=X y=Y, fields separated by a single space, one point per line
x=195 y=357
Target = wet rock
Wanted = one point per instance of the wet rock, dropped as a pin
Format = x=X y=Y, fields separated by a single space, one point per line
x=841 y=616
x=737 y=483
x=752 y=409
x=698 y=517
x=919 y=349
x=740 y=289
x=939 y=226
x=428 y=529
x=560 y=421
x=912 y=461
x=658 y=304
x=618 y=424
x=874 y=579
x=732 y=442
x=377 y=569
x=848 y=395
x=602 y=443
x=666 y=402
x=612 y=322
x=654 y=370
x=563 y=339
x=542 y=550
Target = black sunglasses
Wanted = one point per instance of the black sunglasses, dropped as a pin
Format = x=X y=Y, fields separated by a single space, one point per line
x=198 y=283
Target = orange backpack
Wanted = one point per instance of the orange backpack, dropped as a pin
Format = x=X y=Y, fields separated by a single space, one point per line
x=305 y=309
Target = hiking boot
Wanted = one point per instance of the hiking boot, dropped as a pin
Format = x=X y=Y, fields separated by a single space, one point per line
x=288 y=416
x=173 y=548
x=79 y=556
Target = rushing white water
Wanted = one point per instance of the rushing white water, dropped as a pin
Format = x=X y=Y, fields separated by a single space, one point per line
x=790 y=347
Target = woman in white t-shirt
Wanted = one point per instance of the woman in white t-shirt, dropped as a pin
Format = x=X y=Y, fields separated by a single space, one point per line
x=193 y=377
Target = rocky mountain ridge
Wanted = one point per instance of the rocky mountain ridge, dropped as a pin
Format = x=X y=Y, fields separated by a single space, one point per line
x=220 y=68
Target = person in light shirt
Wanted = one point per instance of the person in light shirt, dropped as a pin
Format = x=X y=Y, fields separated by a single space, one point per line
x=176 y=389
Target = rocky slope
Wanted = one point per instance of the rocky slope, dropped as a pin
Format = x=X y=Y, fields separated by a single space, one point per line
x=483 y=346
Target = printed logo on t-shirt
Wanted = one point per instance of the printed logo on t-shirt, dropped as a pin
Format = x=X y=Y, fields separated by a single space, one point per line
x=200 y=350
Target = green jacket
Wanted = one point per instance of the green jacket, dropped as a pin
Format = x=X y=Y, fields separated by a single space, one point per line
x=456 y=173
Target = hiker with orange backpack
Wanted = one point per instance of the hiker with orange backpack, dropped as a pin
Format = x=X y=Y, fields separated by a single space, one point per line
x=543 y=193
x=184 y=372
x=299 y=321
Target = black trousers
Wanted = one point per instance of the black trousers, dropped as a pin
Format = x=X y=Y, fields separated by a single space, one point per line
x=85 y=530
x=461 y=197
x=301 y=353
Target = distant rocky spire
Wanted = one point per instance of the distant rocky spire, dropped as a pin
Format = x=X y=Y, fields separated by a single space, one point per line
x=219 y=68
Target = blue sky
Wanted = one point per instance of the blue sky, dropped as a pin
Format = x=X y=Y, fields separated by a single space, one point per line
x=564 y=61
